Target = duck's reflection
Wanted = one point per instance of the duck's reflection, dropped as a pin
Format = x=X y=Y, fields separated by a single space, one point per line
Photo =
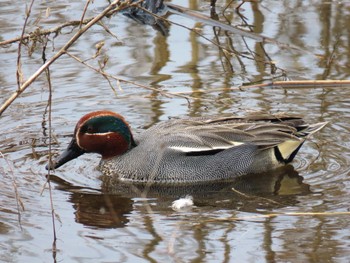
x=283 y=181
x=111 y=207
x=101 y=210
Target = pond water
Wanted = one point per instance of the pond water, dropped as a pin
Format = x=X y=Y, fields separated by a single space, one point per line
x=295 y=214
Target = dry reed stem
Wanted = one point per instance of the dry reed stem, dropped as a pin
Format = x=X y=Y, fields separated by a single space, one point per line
x=49 y=104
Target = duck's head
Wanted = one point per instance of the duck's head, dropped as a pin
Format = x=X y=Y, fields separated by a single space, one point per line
x=103 y=132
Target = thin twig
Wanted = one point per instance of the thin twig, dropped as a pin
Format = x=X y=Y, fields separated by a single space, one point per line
x=224 y=53
x=84 y=12
x=227 y=6
x=49 y=103
x=107 y=30
x=19 y=73
x=39 y=32
x=331 y=57
x=19 y=202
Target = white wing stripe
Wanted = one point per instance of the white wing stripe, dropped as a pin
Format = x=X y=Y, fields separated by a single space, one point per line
x=202 y=148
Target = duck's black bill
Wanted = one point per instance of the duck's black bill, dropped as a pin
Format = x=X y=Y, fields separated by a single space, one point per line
x=73 y=151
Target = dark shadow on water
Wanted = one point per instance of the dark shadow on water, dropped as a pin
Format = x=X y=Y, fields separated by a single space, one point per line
x=111 y=206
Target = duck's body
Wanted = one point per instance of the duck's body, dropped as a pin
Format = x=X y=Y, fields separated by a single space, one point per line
x=189 y=150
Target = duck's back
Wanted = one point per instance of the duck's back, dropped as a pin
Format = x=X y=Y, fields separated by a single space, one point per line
x=211 y=148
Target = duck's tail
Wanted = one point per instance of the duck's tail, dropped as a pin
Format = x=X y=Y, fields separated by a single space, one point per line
x=311 y=129
x=286 y=151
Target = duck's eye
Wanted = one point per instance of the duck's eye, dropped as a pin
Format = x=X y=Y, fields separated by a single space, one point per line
x=90 y=129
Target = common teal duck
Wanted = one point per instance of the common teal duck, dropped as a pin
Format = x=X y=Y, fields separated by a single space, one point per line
x=189 y=150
